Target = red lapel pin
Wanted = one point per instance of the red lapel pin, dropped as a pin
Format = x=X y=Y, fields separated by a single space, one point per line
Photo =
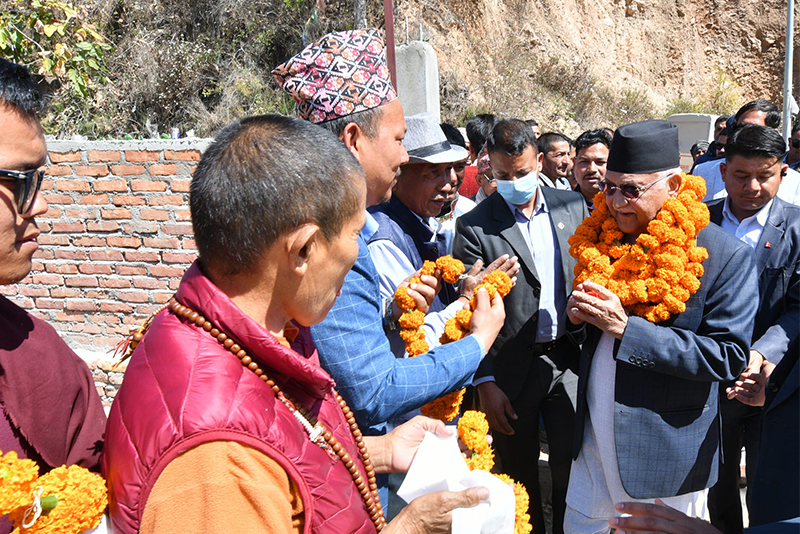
x=767 y=245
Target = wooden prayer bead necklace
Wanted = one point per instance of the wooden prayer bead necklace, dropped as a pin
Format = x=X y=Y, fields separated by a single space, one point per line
x=317 y=433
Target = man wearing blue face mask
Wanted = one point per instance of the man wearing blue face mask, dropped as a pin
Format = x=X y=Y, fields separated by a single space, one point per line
x=532 y=366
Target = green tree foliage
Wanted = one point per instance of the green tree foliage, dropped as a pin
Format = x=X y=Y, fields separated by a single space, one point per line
x=56 y=40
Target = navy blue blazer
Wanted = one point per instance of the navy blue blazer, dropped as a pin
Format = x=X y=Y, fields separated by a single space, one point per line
x=775 y=492
x=777 y=322
x=666 y=417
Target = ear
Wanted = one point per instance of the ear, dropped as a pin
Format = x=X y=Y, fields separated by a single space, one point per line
x=300 y=244
x=723 y=168
x=784 y=170
x=674 y=184
x=353 y=137
x=540 y=161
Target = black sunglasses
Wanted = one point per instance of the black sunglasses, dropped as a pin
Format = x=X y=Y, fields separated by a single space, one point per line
x=795 y=143
x=26 y=194
x=629 y=191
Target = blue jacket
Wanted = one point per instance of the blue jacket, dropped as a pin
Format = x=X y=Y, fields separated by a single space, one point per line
x=777 y=322
x=666 y=418
x=355 y=351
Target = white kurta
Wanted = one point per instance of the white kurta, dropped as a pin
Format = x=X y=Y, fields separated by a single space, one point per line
x=594 y=481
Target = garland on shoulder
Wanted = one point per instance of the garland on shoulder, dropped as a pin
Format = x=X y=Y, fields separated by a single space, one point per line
x=655 y=276
x=66 y=500
x=472 y=430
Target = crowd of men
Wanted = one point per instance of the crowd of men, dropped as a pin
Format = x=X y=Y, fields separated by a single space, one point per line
x=633 y=411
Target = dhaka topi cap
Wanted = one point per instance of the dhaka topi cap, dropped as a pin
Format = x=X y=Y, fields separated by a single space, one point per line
x=644 y=148
x=340 y=74
x=425 y=142
x=484 y=164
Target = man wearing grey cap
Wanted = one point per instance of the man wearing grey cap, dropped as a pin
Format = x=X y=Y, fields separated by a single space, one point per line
x=670 y=318
x=409 y=234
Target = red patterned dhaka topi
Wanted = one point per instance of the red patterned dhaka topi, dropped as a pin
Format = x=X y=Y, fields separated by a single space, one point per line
x=340 y=74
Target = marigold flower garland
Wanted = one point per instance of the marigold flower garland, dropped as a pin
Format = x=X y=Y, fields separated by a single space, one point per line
x=654 y=277
x=72 y=498
x=472 y=430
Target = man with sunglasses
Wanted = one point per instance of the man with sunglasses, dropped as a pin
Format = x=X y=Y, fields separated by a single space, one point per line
x=51 y=412
x=647 y=421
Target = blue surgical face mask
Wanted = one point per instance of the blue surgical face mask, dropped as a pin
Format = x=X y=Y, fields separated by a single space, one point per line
x=519 y=191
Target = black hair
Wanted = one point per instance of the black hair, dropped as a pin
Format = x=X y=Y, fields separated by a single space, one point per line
x=453 y=136
x=795 y=128
x=592 y=137
x=367 y=120
x=547 y=139
x=478 y=129
x=721 y=118
x=773 y=114
x=531 y=123
x=265 y=176
x=18 y=89
x=755 y=141
x=511 y=137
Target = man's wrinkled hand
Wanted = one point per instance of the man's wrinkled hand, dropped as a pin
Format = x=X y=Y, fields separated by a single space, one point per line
x=404 y=440
x=658 y=517
x=432 y=513
x=497 y=407
x=594 y=304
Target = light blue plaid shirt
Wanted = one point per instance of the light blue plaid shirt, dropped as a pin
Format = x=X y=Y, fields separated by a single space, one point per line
x=355 y=351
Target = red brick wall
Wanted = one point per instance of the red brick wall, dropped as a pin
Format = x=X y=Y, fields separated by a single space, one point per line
x=116 y=239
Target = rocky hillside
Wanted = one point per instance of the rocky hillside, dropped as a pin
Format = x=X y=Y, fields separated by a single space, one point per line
x=533 y=58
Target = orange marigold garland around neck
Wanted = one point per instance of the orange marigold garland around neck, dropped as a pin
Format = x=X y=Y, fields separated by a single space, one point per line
x=444 y=408
x=655 y=276
x=472 y=430
x=66 y=500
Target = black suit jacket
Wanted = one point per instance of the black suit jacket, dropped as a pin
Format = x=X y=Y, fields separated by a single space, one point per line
x=777 y=321
x=489 y=231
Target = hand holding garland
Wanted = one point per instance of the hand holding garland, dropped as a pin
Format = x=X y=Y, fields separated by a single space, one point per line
x=594 y=304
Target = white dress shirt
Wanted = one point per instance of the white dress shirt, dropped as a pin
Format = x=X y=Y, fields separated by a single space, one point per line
x=749 y=230
x=789 y=189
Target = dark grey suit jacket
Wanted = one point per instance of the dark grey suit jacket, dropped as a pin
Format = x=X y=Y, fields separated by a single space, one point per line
x=666 y=417
x=489 y=231
x=778 y=265
x=775 y=492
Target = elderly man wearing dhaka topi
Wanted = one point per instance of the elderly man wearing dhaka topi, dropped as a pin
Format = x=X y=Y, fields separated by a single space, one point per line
x=668 y=303
x=225 y=421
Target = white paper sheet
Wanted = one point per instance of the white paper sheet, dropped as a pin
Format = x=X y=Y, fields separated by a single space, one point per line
x=438 y=465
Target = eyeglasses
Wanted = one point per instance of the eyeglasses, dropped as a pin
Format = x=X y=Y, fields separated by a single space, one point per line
x=629 y=191
x=31 y=183
x=488 y=177
x=795 y=143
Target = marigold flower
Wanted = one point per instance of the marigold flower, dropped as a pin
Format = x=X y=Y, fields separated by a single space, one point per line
x=522 y=501
x=472 y=429
x=453 y=331
x=81 y=501
x=500 y=280
x=403 y=299
x=451 y=268
x=444 y=408
x=464 y=318
x=17 y=481
x=412 y=319
x=428 y=268
x=417 y=347
x=483 y=461
x=410 y=335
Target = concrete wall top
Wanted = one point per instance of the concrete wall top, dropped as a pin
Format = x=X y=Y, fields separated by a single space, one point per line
x=693 y=127
x=189 y=143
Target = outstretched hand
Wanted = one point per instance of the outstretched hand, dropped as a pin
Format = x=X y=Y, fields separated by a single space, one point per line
x=658 y=517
